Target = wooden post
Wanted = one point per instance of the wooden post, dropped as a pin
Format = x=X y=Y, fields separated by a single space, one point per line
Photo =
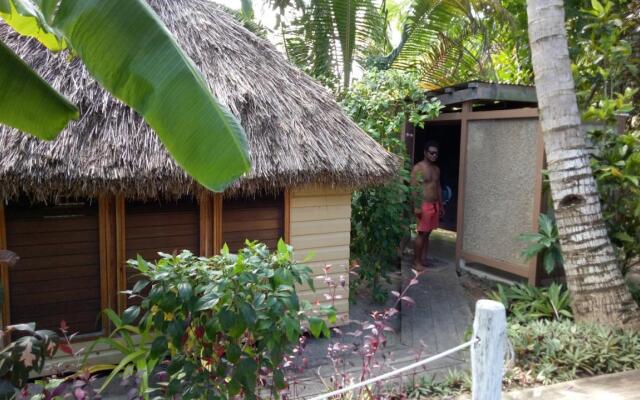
x=5 y=309
x=487 y=356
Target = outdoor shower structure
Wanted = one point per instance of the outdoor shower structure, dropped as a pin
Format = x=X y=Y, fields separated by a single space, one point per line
x=491 y=160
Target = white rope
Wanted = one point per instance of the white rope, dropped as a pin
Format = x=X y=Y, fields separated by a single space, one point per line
x=397 y=371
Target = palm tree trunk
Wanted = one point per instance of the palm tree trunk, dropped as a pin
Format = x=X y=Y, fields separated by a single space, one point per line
x=598 y=291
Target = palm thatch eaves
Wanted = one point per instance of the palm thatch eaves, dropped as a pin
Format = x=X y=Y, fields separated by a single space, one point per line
x=297 y=133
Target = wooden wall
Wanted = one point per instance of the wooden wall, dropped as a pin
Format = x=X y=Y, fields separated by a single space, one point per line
x=321 y=225
x=167 y=227
x=58 y=275
x=259 y=219
x=103 y=234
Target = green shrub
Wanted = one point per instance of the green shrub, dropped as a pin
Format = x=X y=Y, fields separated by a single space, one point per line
x=525 y=302
x=454 y=383
x=554 y=351
x=545 y=243
x=616 y=168
x=380 y=104
x=226 y=323
x=24 y=355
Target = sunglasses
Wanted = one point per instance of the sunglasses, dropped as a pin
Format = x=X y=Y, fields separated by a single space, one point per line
x=433 y=153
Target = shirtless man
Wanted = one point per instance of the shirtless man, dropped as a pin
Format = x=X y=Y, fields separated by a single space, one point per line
x=425 y=181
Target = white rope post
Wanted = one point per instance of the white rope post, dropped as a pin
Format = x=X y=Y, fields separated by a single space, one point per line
x=487 y=355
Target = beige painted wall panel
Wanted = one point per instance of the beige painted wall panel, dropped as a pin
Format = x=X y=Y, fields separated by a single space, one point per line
x=320 y=190
x=321 y=224
x=341 y=303
x=320 y=213
x=320 y=282
x=320 y=240
x=323 y=254
x=500 y=188
x=324 y=226
x=322 y=201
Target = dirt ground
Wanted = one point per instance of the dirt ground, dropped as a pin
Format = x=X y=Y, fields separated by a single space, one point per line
x=475 y=288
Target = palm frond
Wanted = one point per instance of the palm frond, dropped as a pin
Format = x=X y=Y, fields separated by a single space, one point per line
x=447 y=41
x=331 y=34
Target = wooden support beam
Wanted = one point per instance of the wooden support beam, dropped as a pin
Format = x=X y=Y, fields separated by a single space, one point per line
x=108 y=256
x=537 y=200
x=217 y=222
x=515 y=269
x=4 y=271
x=462 y=172
x=516 y=113
x=206 y=223
x=287 y=216
x=121 y=273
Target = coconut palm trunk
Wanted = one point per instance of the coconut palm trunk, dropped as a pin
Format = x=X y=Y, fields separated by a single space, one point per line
x=598 y=291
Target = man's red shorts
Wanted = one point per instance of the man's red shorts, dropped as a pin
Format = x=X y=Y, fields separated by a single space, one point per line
x=429 y=218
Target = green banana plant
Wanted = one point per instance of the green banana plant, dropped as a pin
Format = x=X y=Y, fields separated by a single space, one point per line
x=130 y=52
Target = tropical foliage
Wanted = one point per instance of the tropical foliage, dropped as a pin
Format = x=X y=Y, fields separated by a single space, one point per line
x=443 y=41
x=146 y=69
x=225 y=324
x=27 y=353
x=380 y=217
x=547 y=352
x=616 y=167
x=524 y=302
x=545 y=244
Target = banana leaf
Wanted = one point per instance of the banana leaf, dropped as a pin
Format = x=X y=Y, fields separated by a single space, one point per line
x=27 y=102
x=129 y=51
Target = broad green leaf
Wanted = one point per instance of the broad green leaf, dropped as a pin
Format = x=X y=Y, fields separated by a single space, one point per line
x=129 y=51
x=248 y=313
x=316 y=326
x=596 y=5
x=123 y=363
x=29 y=103
x=206 y=302
x=185 y=291
x=130 y=314
x=549 y=262
x=140 y=285
x=624 y=236
x=31 y=18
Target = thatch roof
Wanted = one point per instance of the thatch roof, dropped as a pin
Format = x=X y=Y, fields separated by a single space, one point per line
x=297 y=133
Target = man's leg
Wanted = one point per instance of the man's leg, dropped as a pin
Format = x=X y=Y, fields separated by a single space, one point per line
x=418 y=249
x=424 y=258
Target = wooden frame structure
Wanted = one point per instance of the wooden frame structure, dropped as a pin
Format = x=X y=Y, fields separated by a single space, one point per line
x=112 y=245
x=519 y=102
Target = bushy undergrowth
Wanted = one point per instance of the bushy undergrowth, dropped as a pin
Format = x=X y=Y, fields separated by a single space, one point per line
x=454 y=383
x=381 y=103
x=554 y=351
x=528 y=303
x=218 y=327
x=547 y=352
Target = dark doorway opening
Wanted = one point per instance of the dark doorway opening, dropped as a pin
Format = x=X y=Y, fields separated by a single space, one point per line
x=447 y=134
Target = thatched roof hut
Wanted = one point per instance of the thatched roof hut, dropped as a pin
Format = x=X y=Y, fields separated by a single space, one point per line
x=106 y=190
x=297 y=133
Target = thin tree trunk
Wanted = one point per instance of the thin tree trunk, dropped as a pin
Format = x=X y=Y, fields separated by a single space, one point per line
x=597 y=288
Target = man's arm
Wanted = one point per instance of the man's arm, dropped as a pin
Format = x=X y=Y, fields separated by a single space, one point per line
x=415 y=191
x=440 y=203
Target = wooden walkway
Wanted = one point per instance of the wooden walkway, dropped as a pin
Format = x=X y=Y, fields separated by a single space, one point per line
x=437 y=322
x=620 y=386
